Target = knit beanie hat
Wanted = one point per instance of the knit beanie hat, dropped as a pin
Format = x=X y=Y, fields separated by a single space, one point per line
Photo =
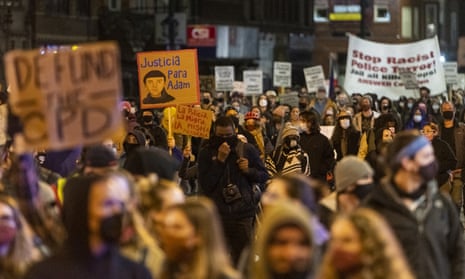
x=349 y=170
x=289 y=130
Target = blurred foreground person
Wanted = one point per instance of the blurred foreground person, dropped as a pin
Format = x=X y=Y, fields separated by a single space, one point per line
x=192 y=239
x=17 y=250
x=284 y=247
x=93 y=216
x=425 y=222
x=363 y=246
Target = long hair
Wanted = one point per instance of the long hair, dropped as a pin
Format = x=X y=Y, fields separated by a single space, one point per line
x=381 y=256
x=210 y=260
x=22 y=252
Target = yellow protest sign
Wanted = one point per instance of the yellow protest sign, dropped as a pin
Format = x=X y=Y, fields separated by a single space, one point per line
x=67 y=98
x=168 y=78
x=193 y=122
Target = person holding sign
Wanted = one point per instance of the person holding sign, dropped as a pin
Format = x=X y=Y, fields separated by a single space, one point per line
x=155 y=82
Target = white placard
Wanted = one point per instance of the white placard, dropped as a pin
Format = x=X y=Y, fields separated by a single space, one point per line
x=314 y=77
x=282 y=74
x=224 y=78
x=253 y=81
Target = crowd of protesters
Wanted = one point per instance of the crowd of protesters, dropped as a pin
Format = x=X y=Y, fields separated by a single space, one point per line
x=267 y=195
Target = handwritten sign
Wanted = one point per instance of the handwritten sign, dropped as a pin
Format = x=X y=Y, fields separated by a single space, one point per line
x=253 y=80
x=224 y=78
x=67 y=98
x=282 y=72
x=193 y=122
x=168 y=78
x=314 y=77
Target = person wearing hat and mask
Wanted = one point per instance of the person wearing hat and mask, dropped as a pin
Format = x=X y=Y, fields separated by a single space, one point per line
x=288 y=157
x=345 y=138
x=272 y=98
x=425 y=222
x=253 y=126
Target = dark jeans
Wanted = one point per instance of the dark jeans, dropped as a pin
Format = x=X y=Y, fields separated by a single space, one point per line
x=238 y=234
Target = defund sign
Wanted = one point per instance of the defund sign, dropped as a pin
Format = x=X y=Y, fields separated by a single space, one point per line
x=66 y=98
x=376 y=67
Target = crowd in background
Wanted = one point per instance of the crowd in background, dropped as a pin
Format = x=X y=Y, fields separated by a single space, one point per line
x=267 y=195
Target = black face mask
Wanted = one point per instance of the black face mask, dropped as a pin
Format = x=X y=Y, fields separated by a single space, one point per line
x=429 y=171
x=413 y=195
x=302 y=106
x=111 y=228
x=448 y=115
x=206 y=101
x=216 y=141
x=147 y=118
x=362 y=190
x=291 y=275
x=386 y=107
x=130 y=147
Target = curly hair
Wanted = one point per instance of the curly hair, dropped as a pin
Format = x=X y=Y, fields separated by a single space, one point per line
x=381 y=256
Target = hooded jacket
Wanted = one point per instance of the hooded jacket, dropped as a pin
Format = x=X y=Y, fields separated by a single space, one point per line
x=75 y=260
x=280 y=215
x=431 y=236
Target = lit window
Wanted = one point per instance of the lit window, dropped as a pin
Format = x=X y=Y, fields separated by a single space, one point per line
x=382 y=13
x=320 y=14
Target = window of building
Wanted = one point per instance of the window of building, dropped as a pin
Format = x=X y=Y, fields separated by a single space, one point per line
x=381 y=13
x=320 y=14
x=406 y=27
x=60 y=7
x=114 y=5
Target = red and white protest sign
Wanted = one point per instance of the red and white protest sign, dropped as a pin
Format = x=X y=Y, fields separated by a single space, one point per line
x=376 y=67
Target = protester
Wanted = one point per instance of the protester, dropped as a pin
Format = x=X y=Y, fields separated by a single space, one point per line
x=364 y=122
x=322 y=103
x=424 y=221
x=345 y=138
x=192 y=239
x=17 y=248
x=316 y=145
x=284 y=247
x=363 y=246
x=288 y=157
x=92 y=215
x=228 y=173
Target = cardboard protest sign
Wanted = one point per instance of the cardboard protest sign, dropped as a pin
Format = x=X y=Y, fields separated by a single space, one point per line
x=282 y=74
x=68 y=98
x=314 y=77
x=253 y=80
x=450 y=72
x=375 y=67
x=291 y=98
x=168 y=78
x=224 y=78
x=409 y=79
x=193 y=122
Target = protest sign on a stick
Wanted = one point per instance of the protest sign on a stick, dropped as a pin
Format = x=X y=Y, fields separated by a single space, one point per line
x=224 y=78
x=168 y=78
x=253 y=80
x=314 y=77
x=282 y=74
x=68 y=98
x=193 y=122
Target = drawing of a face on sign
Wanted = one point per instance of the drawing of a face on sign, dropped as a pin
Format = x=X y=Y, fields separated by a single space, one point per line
x=155 y=82
x=168 y=78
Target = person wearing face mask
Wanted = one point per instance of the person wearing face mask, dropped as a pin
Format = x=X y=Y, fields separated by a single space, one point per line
x=345 y=139
x=435 y=114
x=151 y=124
x=93 y=217
x=418 y=118
x=253 y=126
x=363 y=246
x=288 y=157
x=228 y=171
x=17 y=249
x=364 y=122
x=354 y=181
x=452 y=132
x=133 y=140
x=424 y=221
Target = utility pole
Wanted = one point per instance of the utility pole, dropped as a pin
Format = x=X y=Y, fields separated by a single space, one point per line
x=363 y=5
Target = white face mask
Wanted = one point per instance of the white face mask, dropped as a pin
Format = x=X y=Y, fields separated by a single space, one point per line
x=435 y=107
x=417 y=118
x=263 y=103
x=345 y=123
